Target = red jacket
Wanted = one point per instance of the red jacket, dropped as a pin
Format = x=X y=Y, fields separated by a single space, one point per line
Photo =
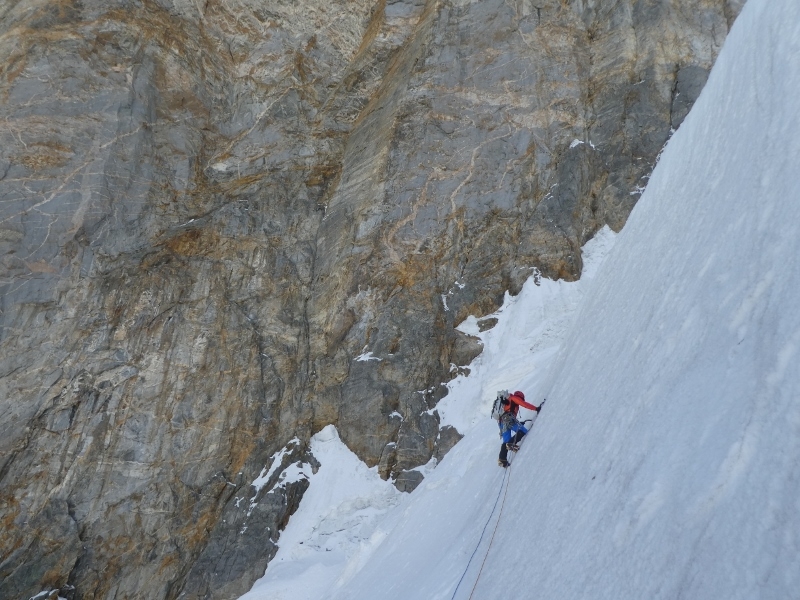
x=516 y=402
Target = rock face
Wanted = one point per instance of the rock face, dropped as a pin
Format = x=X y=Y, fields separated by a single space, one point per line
x=225 y=225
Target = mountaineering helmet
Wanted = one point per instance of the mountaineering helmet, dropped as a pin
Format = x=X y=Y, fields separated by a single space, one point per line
x=520 y=395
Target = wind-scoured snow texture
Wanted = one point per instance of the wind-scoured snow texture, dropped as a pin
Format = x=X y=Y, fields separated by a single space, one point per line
x=666 y=462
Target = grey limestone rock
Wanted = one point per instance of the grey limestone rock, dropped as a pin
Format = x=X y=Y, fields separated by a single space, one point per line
x=407 y=481
x=226 y=225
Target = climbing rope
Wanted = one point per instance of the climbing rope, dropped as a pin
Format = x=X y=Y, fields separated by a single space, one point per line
x=478 y=545
x=491 y=541
x=504 y=484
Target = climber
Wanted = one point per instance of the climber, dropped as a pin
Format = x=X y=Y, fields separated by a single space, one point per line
x=509 y=425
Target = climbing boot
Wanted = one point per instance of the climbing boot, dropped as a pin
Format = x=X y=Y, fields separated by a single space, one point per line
x=503 y=463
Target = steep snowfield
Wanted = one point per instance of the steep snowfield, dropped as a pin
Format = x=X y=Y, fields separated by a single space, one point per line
x=666 y=463
x=348 y=510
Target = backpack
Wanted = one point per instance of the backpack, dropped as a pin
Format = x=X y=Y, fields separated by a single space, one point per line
x=497 y=407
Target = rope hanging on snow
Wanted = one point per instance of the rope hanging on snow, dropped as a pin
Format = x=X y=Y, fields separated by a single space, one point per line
x=499 y=491
x=491 y=541
x=504 y=483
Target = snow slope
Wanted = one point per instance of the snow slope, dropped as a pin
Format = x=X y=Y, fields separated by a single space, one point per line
x=666 y=463
x=331 y=529
x=348 y=510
